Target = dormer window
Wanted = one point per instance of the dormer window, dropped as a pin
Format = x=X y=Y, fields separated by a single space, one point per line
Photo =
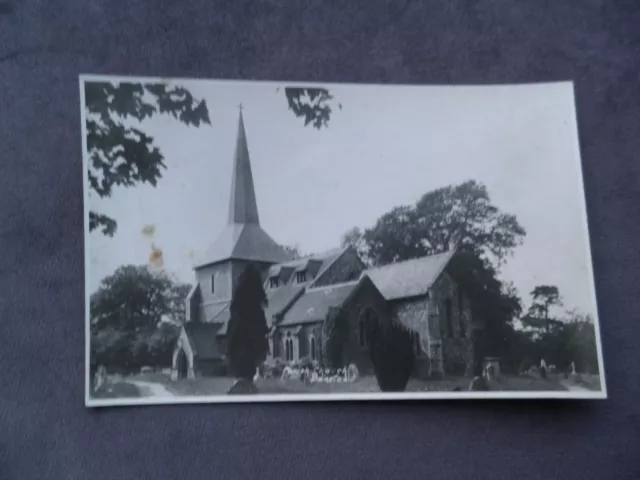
x=301 y=277
x=274 y=282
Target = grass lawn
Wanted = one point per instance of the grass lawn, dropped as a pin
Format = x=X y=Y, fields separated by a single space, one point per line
x=207 y=386
x=585 y=381
x=526 y=383
x=120 y=389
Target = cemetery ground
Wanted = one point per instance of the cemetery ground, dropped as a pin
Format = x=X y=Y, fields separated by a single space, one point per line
x=160 y=385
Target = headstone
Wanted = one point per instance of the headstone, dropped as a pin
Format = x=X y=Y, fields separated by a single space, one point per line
x=491 y=368
x=543 y=369
x=352 y=373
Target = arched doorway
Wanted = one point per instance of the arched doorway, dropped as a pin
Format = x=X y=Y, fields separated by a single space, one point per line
x=182 y=364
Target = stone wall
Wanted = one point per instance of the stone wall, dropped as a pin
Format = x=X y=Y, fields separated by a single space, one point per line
x=414 y=314
x=222 y=290
x=346 y=268
x=455 y=325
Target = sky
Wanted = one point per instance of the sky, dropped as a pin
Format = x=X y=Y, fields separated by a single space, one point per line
x=386 y=147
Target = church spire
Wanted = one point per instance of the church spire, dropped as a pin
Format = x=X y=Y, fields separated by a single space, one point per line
x=243 y=208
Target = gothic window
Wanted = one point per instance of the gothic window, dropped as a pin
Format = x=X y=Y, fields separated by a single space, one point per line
x=213 y=283
x=288 y=348
x=301 y=277
x=449 y=316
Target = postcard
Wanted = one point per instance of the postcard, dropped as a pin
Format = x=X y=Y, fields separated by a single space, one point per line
x=278 y=241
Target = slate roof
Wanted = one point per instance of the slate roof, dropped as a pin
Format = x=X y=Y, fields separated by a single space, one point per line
x=314 y=305
x=410 y=278
x=244 y=242
x=280 y=298
x=222 y=319
x=316 y=265
x=202 y=337
x=243 y=238
x=243 y=207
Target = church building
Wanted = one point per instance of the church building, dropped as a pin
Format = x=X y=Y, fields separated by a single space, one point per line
x=302 y=292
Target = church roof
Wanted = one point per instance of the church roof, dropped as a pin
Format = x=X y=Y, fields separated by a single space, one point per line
x=244 y=242
x=410 y=278
x=314 y=305
x=315 y=265
x=202 y=337
x=281 y=298
x=243 y=207
x=243 y=238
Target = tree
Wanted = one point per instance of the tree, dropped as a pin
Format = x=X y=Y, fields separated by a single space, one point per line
x=247 y=330
x=135 y=318
x=125 y=156
x=121 y=155
x=354 y=238
x=312 y=104
x=134 y=298
x=460 y=216
x=582 y=343
x=392 y=355
x=544 y=297
x=493 y=303
x=293 y=251
x=334 y=335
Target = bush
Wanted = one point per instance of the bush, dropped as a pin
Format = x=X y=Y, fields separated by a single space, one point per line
x=273 y=368
x=247 y=330
x=334 y=335
x=392 y=356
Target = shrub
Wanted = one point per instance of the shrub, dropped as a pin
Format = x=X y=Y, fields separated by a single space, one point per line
x=334 y=335
x=273 y=368
x=392 y=356
x=247 y=330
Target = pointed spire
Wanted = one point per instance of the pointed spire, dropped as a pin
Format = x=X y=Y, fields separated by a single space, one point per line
x=243 y=208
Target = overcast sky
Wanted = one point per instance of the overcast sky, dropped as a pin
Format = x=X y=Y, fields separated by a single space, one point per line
x=386 y=147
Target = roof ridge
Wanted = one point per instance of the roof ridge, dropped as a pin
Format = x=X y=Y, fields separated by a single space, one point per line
x=340 y=253
x=389 y=265
x=310 y=288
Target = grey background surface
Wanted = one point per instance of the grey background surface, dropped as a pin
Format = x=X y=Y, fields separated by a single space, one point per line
x=45 y=430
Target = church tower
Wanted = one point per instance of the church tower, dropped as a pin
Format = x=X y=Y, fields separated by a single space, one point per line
x=242 y=242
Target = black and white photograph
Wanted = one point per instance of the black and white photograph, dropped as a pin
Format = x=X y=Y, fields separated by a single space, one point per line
x=282 y=241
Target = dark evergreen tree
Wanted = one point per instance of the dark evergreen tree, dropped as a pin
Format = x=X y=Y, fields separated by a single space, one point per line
x=392 y=356
x=247 y=332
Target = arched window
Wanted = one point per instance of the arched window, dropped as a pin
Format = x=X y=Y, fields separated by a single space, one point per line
x=288 y=345
x=312 y=347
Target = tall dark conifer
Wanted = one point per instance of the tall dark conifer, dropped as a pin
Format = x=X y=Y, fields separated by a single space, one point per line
x=247 y=332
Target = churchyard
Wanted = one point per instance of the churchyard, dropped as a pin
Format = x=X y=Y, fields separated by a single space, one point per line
x=160 y=385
